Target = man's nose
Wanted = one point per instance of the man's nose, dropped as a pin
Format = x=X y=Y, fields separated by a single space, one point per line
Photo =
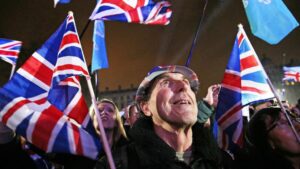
x=180 y=85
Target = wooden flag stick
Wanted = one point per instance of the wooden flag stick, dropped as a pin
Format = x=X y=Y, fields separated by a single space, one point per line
x=102 y=131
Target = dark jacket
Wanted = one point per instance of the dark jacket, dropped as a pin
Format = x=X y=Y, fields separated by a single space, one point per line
x=12 y=156
x=148 y=151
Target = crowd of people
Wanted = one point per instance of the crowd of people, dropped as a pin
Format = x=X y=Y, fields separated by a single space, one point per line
x=166 y=127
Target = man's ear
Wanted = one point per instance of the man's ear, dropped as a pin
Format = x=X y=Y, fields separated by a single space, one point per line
x=145 y=108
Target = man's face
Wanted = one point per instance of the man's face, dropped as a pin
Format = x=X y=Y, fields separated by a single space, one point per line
x=172 y=102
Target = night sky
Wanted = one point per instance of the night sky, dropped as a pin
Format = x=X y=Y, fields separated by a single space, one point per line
x=133 y=49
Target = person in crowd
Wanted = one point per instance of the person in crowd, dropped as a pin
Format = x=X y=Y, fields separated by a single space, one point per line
x=114 y=130
x=133 y=114
x=13 y=154
x=273 y=144
x=261 y=105
x=296 y=108
x=168 y=134
x=112 y=122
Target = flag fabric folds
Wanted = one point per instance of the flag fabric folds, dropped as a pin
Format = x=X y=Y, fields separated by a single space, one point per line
x=244 y=82
x=269 y=20
x=43 y=100
x=61 y=1
x=9 y=50
x=291 y=74
x=99 y=58
x=136 y=11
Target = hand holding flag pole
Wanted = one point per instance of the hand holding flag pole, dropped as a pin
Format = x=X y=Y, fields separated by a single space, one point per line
x=272 y=87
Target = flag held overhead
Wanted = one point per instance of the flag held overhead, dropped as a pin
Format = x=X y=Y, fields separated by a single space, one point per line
x=43 y=101
x=244 y=82
x=291 y=74
x=270 y=20
x=141 y=11
x=9 y=50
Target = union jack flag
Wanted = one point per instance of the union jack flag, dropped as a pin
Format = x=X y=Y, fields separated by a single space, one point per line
x=43 y=100
x=9 y=50
x=136 y=11
x=291 y=74
x=244 y=82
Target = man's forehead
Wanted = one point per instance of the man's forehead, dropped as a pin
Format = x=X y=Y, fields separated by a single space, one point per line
x=171 y=75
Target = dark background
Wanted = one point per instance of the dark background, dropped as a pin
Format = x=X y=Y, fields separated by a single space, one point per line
x=134 y=49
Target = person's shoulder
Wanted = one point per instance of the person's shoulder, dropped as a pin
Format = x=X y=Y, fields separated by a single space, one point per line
x=120 y=155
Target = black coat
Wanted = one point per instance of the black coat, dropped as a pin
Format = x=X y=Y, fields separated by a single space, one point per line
x=148 y=151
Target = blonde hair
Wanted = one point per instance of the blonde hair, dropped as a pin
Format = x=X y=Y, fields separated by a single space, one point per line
x=119 y=129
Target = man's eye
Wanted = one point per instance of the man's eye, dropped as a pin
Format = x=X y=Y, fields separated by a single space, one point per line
x=165 y=83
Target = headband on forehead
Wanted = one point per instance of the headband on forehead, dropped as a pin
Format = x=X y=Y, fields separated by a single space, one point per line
x=158 y=70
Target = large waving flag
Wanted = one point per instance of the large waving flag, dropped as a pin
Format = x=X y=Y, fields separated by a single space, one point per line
x=244 y=82
x=61 y=1
x=269 y=20
x=99 y=58
x=43 y=100
x=136 y=11
x=9 y=50
x=291 y=74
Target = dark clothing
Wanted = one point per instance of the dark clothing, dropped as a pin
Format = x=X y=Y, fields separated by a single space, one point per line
x=253 y=159
x=12 y=156
x=148 y=151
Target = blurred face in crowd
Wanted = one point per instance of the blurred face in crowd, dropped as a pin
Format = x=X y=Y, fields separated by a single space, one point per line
x=107 y=114
x=134 y=114
x=172 y=103
x=281 y=137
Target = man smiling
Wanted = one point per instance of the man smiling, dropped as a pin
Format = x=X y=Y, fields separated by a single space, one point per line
x=168 y=135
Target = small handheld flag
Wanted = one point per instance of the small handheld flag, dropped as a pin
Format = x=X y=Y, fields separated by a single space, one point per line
x=9 y=50
x=244 y=82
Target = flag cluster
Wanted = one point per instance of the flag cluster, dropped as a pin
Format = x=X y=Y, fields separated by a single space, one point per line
x=136 y=11
x=43 y=100
x=244 y=82
x=9 y=50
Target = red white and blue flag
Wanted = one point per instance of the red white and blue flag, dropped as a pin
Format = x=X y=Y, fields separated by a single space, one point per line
x=9 y=50
x=136 y=11
x=244 y=82
x=291 y=74
x=43 y=100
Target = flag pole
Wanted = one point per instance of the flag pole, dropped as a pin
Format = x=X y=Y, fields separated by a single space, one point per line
x=187 y=64
x=93 y=98
x=240 y=26
x=102 y=131
x=84 y=29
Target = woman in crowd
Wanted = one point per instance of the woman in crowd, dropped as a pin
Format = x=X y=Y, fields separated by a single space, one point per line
x=274 y=145
x=112 y=123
